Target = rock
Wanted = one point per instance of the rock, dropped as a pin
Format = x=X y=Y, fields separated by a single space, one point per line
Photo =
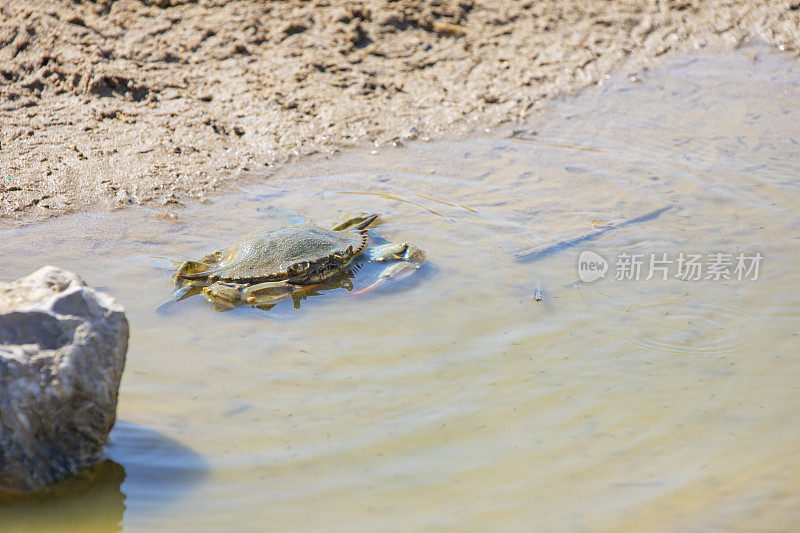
x=62 y=352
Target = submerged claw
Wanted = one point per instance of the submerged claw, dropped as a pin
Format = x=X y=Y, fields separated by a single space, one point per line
x=409 y=258
x=394 y=272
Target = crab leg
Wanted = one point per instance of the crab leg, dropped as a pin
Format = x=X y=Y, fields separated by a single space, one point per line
x=233 y=294
x=360 y=223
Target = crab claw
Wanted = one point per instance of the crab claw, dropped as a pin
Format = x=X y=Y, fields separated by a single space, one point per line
x=192 y=270
x=393 y=272
x=387 y=252
x=410 y=259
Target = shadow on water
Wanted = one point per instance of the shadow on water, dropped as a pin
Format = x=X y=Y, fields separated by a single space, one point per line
x=535 y=253
x=143 y=465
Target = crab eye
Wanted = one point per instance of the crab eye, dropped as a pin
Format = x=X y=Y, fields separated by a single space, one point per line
x=298 y=267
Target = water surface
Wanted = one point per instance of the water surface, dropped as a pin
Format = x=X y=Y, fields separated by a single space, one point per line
x=454 y=400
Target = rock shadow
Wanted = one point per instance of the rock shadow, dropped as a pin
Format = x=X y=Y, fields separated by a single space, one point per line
x=145 y=471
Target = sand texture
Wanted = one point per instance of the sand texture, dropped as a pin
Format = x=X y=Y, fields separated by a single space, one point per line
x=112 y=103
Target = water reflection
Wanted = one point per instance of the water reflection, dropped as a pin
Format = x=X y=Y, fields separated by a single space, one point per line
x=150 y=469
x=92 y=500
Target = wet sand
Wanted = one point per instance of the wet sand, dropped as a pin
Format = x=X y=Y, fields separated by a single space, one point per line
x=159 y=102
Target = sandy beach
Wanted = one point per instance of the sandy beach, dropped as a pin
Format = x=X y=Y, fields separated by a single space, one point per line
x=159 y=102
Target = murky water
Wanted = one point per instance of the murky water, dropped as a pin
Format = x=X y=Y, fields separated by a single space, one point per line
x=454 y=400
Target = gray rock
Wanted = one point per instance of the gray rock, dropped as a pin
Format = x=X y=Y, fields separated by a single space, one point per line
x=62 y=352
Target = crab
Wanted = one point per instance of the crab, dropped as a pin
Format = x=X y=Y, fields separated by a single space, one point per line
x=271 y=264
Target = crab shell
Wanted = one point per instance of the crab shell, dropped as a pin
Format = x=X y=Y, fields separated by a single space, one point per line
x=300 y=254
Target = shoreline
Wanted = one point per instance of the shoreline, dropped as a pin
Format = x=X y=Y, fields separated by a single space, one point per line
x=115 y=104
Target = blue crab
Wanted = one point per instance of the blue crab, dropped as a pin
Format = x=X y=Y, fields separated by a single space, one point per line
x=271 y=264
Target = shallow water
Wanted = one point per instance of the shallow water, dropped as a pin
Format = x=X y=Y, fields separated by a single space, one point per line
x=454 y=400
